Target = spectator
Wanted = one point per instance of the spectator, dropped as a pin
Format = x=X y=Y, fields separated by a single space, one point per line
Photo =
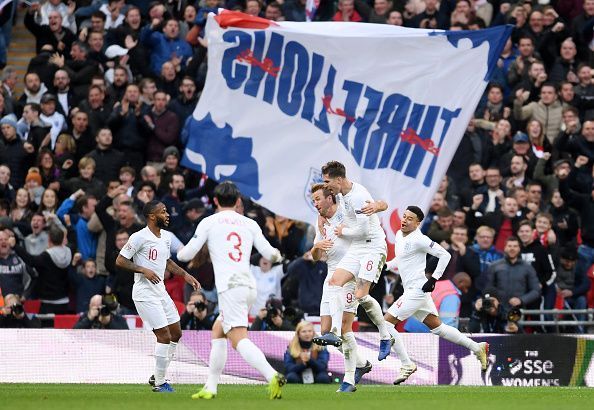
x=173 y=201
x=306 y=362
x=548 y=110
x=446 y=297
x=50 y=116
x=488 y=316
x=30 y=126
x=268 y=281
x=38 y=240
x=33 y=91
x=346 y=12
x=577 y=145
x=86 y=180
x=100 y=316
x=125 y=122
x=162 y=128
x=83 y=137
x=52 y=267
x=186 y=101
x=503 y=220
x=486 y=252
x=271 y=317
x=15 y=153
x=97 y=109
x=565 y=219
x=441 y=229
x=302 y=286
x=67 y=99
x=7 y=191
x=533 y=253
x=86 y=241
x=197 y=316
x=514 y=280
x=120 y=281
x=165 y=46
x=573 y=286
x=85 y=281
x=14 y=277
x=13 y=315
x=107 y=159
x=51 y=33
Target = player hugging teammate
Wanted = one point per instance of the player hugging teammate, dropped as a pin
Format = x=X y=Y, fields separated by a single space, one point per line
x=349 y=233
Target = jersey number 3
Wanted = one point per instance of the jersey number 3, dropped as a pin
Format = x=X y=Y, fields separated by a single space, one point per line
x=235 y=240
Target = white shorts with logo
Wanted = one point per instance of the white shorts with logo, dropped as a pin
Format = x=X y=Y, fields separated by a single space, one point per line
x=158 y=313
x=415 y=303
x=365 y=261
x=348 y=296
x=234 y=306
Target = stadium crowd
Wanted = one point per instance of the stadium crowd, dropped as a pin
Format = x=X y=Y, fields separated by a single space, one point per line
x=97 y=133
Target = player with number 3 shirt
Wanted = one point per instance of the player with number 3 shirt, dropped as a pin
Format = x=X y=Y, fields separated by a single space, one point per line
x=229 y=237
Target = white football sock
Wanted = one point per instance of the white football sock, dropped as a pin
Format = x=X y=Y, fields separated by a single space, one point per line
x=361 y=361
x=161 y=361
x=398 y=345
x=335 y=298
x=453 y=335
x=350 y=357
x=216 y=363
x=255 y=358
x=171 y=352
x=374 y=311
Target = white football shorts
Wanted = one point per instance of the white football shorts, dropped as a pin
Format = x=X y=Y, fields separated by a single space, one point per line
x=365 y=261
x=157 y=314
x=348 y=296
x=415 y=303
x=234 y=307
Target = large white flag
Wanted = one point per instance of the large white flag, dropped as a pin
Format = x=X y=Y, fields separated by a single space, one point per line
x=282 y=99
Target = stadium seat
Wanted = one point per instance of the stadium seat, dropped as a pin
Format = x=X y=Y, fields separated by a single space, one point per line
x=65 y=321
x=32 y=305
x=180 y=306
x=591 y=291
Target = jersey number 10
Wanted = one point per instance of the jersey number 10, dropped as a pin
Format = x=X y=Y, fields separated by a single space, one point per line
x=152 y=254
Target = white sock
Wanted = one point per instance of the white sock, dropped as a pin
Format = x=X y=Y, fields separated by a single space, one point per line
x=398 y=345
x=350 y=357
x=161 y=361
x=255 y=358
x=374 y=311
x=216 y=363
x=361 y=361
x=453 y=335
x=171 y=352
x=335 y=297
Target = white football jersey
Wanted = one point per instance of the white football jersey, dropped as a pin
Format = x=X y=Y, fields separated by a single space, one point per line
x=411 y=257
x=340 y=244
x=353 y=202
x=148 y=251
x=229 y=237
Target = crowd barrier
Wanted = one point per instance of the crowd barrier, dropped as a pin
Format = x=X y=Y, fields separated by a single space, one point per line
x=117 y=356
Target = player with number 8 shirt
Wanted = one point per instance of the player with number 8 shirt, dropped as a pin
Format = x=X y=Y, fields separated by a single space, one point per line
x=229 y=237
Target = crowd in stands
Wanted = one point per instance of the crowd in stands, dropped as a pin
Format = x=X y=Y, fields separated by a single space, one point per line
x=96 y=134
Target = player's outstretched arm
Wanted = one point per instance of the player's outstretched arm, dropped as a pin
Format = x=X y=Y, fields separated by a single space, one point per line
x=374 y=207
x=175 y=269
x=264 y=247
x=188 y=252
x=130 y=266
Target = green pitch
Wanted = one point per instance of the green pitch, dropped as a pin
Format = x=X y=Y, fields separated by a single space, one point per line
x=132 y=397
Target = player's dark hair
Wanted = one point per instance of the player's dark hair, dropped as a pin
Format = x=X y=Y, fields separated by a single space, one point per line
x=56 y=235
x=334 y=169
x=325 y=191
x=226 y=193
x=417 y=211
x=149 y=208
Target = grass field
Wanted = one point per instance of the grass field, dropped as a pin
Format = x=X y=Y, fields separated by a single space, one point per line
x=235 y=397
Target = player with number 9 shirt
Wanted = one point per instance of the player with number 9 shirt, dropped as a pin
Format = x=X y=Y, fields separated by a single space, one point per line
x=229 y=237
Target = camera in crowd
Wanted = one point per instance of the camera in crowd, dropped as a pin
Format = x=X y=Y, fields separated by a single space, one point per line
x=17 y=309
x=294 y=315
x=200 y=306
x=274 y=308
x=109 y=305
x=489 y=304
